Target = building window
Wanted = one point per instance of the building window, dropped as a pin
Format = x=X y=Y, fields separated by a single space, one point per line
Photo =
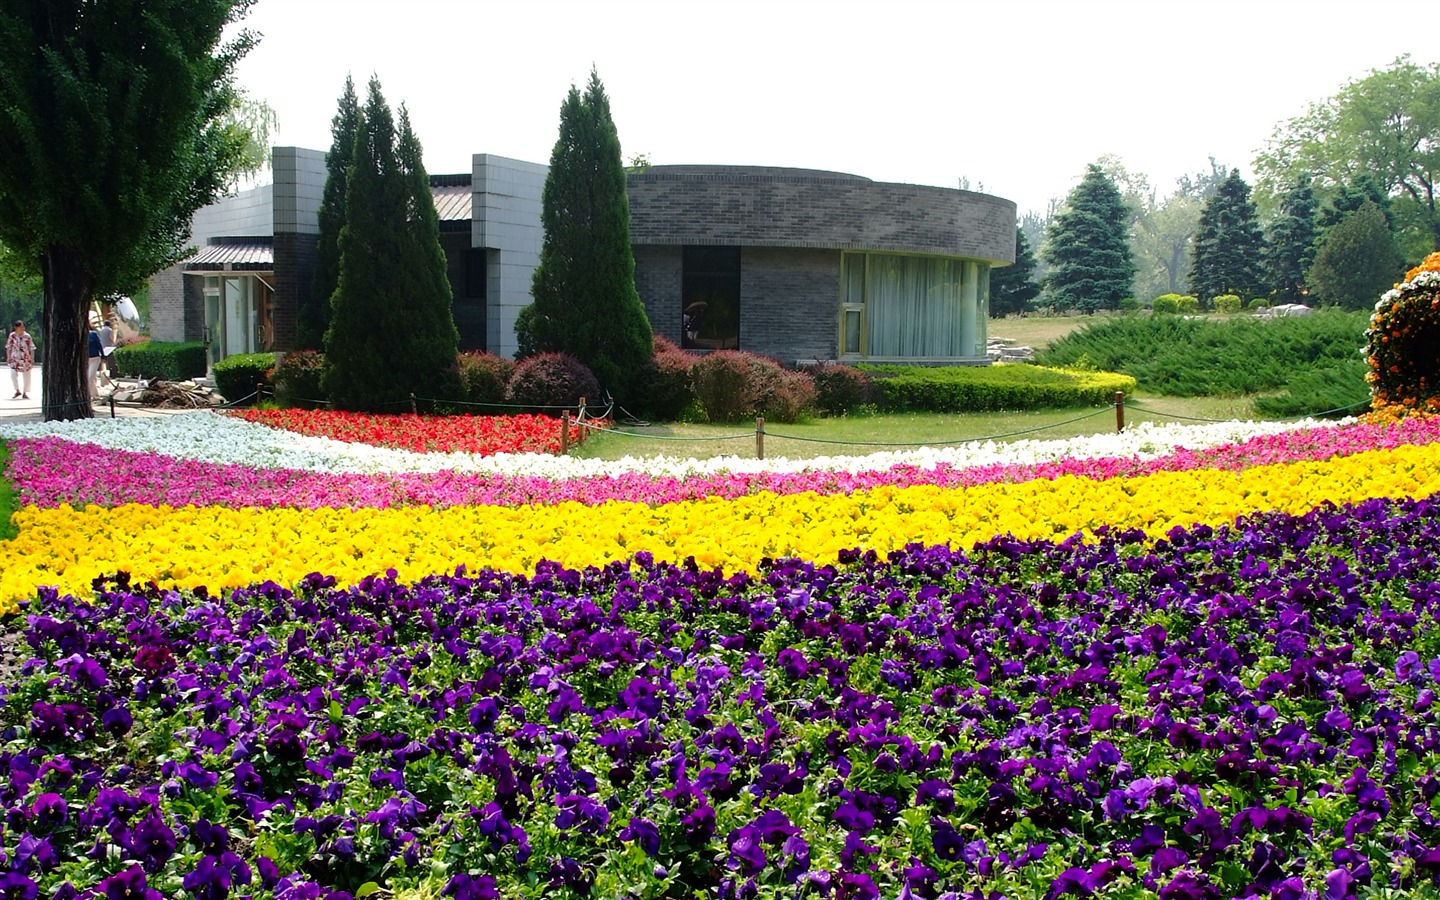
x=911 y=307
x=710 y=298
x=236 y=315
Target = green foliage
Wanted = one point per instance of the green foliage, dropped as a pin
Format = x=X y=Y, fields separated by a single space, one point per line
x=663 y=386
x=314 y=314
x=1187 y=304
x=1385 y=125
x=236 y=377
x=1258 y=303
x=1166 y=304
x=1129 y=305
x=1290 y=247
x=298 y=379
x=114 y=128
x=1357 y=261
x=1208 y=357
x=1229 y=250
x=586 y=304
x=958 y=389
x=548 y=381
x=1088 y=247
x=1336 y=389
x=391 y=329
x=165 y=361
x=8 y=503
x=843 y=389
x=484 y=377
x=1229 y=304
x=1013 y=287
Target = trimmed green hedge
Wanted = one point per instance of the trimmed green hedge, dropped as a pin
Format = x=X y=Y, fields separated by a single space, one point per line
x=237 y=376
x=953 y=389
x=161 y=360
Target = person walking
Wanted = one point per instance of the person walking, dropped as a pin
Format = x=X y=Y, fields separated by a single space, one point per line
x=107 y=351
x=93 y=371
x=20 y=353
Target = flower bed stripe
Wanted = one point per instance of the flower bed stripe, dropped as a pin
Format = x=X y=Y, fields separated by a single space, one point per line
x=219 y=547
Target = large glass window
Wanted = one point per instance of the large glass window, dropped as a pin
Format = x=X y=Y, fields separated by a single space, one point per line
x=236 y=315
x=909 y=307
x=710 y=298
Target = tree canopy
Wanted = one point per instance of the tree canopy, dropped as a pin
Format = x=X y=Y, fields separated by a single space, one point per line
x=1290 y=245
x=1229 y=250
x=114 y=129
x=1357 y=261
x=1013 y=287
x=1387 y=125
x=314 y=314
x=1088 y=247
x=392 y=331
x=585 y=302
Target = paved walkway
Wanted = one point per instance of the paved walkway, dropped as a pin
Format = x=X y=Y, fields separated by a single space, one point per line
x=22 y=410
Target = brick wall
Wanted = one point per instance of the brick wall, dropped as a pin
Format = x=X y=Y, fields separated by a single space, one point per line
x=657 y=279
x=167 y=305
x=294 y=277
x=789 y=302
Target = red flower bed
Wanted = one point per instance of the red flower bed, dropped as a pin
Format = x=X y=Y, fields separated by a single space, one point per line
x=485 y=435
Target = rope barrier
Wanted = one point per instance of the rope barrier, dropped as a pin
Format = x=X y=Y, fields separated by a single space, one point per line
x=971 y=440
x=1155 y=412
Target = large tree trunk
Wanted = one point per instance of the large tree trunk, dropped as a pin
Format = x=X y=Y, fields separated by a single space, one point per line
x=65 y=394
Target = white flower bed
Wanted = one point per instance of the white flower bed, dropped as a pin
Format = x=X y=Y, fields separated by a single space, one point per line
x=223 y=439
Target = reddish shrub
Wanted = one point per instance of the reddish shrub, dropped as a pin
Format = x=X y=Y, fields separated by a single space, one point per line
x=549 y=381
x=841 y=389
x=297 y=379
x=662 y=389
x=791 y=395
x=484 y=377
x=733 y=386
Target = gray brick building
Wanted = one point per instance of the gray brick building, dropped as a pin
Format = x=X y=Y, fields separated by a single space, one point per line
x=796 y=264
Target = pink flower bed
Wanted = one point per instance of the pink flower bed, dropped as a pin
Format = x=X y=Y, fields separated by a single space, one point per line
x=47 y=472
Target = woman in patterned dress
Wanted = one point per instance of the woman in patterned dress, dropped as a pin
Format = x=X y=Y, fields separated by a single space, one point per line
x=20 y=353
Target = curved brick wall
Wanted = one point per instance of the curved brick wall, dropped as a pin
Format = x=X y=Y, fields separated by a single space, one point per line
x=754 y=206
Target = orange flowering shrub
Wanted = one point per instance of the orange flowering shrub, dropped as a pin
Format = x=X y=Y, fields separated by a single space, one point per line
x=1403 y=345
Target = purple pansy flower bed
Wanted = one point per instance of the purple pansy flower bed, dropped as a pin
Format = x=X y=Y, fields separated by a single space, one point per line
x=1233 y=712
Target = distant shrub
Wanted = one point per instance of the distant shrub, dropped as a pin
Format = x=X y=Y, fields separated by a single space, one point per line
x=953 y=389
x=1166 y=304
x=161 y=360
x=1187 y=304
x=1229 y=304
x=1128 y=305
x=1258 y=303
x=238 y=377
x=1336 y=389
x=842 y=389
x=484 y=378
x=297 y=379
x=548 y=381
x=662 y=388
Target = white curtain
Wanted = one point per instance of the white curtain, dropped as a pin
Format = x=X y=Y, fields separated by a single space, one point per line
x=913 y=305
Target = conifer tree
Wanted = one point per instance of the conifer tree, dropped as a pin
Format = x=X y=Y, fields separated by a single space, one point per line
x=1088 y=247
x=1291 y=245
x=1013 y=287
x=391 y=328
x=585 y=302
x=1358 y=260
x=1228 y=256
x=314 y=314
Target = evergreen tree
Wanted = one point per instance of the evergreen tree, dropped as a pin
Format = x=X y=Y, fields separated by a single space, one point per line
x=114 y=129
x=391 y=328
x=1358 y=260
x=1088 y=247
x=314 y=314
x=1228 y=256
x=586 y=304
x=1013 y=287
x=1291 y=245
x=1351 y=196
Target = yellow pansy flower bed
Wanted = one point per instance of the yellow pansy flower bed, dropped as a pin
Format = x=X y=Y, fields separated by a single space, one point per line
x=224 y=548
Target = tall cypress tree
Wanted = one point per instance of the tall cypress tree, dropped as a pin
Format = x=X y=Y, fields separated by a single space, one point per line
x=1013 y=287
x=314 y=315
x=1291 y=245
x=585 y=302
x=391 y=329
x=1088 y=247
x=1228 y=256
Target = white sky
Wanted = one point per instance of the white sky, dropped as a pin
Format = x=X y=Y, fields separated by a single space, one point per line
x=1016 y=95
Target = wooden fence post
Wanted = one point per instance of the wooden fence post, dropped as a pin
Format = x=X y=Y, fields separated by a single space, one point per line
x=413 y=410
x=580 y=423
x=759 y=437
x=565 y=432
x=1119 y=411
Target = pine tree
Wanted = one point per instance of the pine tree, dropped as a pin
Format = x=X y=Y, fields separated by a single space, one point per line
x=1358 y=260
x=1088 y=247
x=1351 y=197
x=1228 y=256
x=1291 y=245
x=586 y=304
x=314 y=314
x=391 y=329
x=1013 y=287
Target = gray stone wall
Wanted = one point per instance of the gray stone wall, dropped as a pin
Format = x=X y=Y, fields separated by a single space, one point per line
x=789 y=303
x=766 y=207
x=294 y=280
x=247 y=214
x=657 y=279
x=505 y=218
x=167 y=305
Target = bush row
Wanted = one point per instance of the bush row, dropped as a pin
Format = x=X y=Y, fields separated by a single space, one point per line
x=952 y=389
x=161 y=360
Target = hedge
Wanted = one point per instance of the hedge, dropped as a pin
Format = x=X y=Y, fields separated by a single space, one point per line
x=161 y=360
x=236 y=377
x=954 y=389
